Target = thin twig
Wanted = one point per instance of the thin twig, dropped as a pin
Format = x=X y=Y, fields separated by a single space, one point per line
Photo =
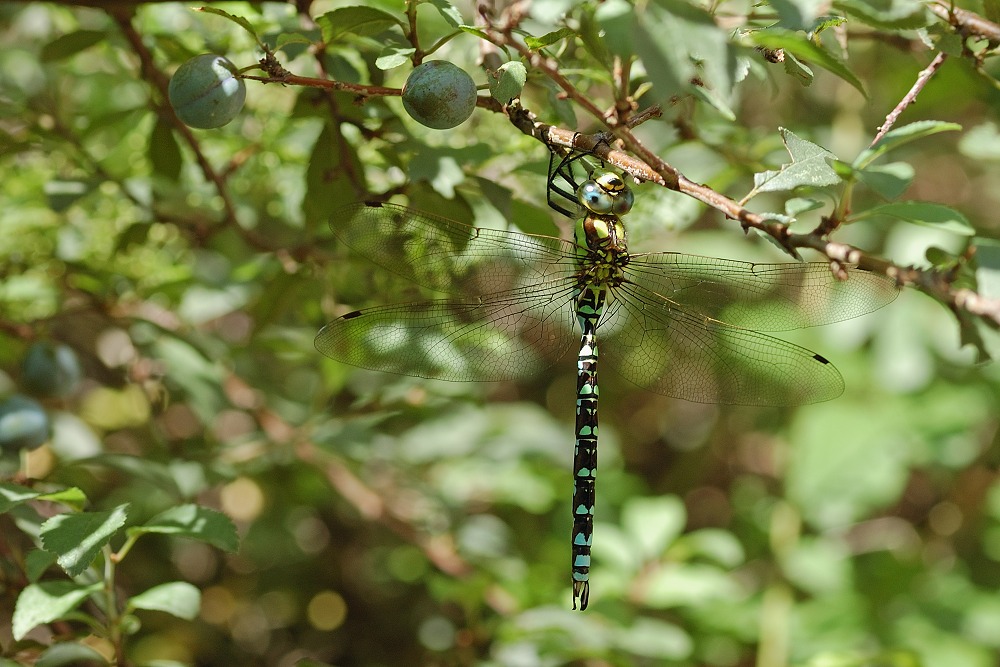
x=910 y=97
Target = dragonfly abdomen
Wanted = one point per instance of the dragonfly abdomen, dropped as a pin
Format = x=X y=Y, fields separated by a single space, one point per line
x=589 y=305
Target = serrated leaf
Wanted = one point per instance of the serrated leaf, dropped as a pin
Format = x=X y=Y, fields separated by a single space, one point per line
x=805 y=49
x=888 y=180
x=896 y=137
x=808 y=167
x=70 y=44
x=362 y=21
x=77 y=539
x=535 y=43
x=928 y=214
x=46 y=602
x=289 y=38
x=194 y=522
x=448 y=12
x=178 y=598
x=238 y=20
x=508 y=81
x=164 y=152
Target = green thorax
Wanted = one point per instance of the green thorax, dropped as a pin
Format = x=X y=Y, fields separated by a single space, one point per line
x=600 y=234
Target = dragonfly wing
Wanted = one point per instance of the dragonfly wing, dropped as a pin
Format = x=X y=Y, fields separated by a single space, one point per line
x=447 y=256
x=506 y=336
x=667 y=348
x=765 y=297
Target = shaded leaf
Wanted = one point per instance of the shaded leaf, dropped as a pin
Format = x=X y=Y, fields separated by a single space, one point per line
x=805 y=49
x=238 y=20
x=77 y=539
x=46 y=602
x=653 y=523
x=178 y=598
x=362 y=21
x=988 y=267
x=888 y=180
x=448 y=12
x=164 y=152
x=70 y=44
x=928 y=214
x=898 y=136
x=893 y=15
x=194 y=522
x=71 y=654
x=394 y=56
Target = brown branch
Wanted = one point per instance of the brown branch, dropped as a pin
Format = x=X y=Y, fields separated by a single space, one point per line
x=966 y=22
x=930 y=281
x=910 y=97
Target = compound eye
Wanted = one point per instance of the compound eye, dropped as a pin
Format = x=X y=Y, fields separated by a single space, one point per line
x=623 y=202
x=595 y=198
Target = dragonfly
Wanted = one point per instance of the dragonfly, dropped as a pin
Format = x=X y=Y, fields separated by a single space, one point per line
x=507 y=304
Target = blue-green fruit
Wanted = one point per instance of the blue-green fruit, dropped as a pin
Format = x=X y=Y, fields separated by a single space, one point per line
x=23 y=423
x=207 y=91
x=439 y=94
x=50 y=369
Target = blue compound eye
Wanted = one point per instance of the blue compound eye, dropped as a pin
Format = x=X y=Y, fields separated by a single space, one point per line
x=595 y=198
x=623 y=202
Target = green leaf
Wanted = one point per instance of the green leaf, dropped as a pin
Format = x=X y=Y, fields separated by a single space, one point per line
x=12 y=495
x=891 y=15
x=896 y=137
x=508 y=81
x=71 y=654
x=927 y=214
x=238 y=20
x=592 y=36
x=61 y=194
x=178 y=598
x=981 y=142
x=888 y=180
x=809 y=166
x=46 y=602
x=991 y=10
x=37 y=562
x=394 y=56
x=449 y=12
x=653 y=638
x=794 y=15
x=361 y=21
x=684 y=52
x=536 y=43
x=805 y=49
x=164 y=152
x=73 y=497
x=194 y=522
x=799 y=205
x=988 y=267
x=70 y=44
x=77 y=539
x=653 y=523
x=798 y=69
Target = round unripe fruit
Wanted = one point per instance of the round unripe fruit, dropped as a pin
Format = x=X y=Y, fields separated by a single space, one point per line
x=439 y=95
x=23 y=423
x=50 y=369
x=207 y=92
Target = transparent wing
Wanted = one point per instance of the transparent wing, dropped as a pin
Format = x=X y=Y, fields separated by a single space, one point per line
x=672 y=350
x=505 y=336
x=765 y=297
x=447 y=256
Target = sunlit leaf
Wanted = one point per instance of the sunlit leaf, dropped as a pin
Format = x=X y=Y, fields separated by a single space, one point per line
x=46 y=602
x=178 y=598
x=809 y=51
x=809 y=166
x=77 y=539
x=193 y=522
x=899 y=136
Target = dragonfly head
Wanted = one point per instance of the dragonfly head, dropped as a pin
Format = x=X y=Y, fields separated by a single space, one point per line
x=605 y=193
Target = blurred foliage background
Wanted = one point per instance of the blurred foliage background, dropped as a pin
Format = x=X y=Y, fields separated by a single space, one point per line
x=397 y=521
